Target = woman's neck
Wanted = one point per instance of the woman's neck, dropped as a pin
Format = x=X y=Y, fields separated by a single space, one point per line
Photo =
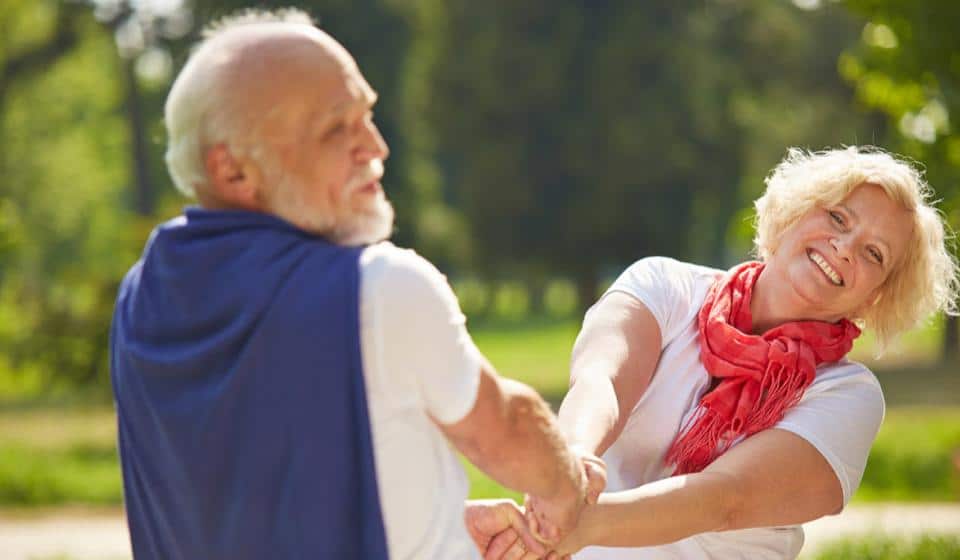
x=770 y=304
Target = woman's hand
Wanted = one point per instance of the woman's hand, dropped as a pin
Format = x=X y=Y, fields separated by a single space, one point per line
x=543 y=518
x=572 y=543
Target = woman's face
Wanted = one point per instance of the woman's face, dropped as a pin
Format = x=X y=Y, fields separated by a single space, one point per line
x=835 y=259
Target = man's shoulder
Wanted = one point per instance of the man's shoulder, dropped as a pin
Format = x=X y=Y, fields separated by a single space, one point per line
x=386 y=268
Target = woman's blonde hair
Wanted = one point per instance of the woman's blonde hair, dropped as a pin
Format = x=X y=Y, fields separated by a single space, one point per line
x=924 y=282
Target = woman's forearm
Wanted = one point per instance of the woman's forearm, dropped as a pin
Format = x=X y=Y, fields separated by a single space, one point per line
x=657 y=513
x=589 y=415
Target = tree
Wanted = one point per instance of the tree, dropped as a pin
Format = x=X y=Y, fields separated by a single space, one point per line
x=907 y=66
x=580 y=136
x=61 y=140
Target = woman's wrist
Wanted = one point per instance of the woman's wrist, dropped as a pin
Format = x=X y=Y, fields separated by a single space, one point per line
x=585 y=534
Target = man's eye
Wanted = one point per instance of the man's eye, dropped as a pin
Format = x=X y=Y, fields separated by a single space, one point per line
x=334 y=130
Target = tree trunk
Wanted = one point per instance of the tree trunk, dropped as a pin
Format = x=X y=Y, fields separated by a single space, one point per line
x=586 y=290
x=951 y=340
x=139 y=156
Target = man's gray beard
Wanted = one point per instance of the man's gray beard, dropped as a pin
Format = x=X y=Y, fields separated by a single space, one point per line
x=366 y=227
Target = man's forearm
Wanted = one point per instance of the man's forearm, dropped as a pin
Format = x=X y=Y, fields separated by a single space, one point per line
x=531 y=455
x=657 y=513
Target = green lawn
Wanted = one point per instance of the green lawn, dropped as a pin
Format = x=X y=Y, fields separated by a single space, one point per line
x=916 y=457
x=535 y=352
x=58 y=456
x=878 y=547
x=52 y=455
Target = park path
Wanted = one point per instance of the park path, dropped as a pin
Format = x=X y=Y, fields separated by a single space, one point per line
x=103 y=535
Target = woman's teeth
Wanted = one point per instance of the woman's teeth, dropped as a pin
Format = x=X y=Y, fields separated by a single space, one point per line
x=826 y=268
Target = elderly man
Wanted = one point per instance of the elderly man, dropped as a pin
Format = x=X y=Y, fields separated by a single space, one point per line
x=287 y=384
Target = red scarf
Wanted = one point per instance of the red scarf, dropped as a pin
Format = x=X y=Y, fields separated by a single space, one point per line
x=759 y=377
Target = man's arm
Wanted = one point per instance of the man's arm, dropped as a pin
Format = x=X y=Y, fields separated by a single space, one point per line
x=773 y=478
x=512 y=435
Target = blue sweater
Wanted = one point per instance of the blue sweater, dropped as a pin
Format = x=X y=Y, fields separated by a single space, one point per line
x=243 y=424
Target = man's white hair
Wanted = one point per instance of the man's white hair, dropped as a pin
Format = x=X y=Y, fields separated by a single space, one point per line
x=199 y=113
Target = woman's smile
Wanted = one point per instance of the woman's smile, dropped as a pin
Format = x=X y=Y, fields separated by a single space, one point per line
x=828 y=271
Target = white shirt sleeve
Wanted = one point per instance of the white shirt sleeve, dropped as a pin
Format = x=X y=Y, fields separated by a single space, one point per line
x=840 y=414
x=666 y=288
x=419 y=330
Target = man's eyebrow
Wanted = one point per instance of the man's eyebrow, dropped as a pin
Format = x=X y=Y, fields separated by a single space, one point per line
x=344 y=106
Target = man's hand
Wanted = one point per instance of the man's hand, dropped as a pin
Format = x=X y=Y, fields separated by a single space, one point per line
x=551 y=520
x=499 y=530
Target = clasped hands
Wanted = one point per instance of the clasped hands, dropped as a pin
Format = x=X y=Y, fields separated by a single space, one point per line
x=541 y=529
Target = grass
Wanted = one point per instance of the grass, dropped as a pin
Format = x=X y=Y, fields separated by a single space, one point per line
x=536 y=352
x=916 y=457
x=52 y=455
x=928 y=547
x=67 y=456
x=59 y=456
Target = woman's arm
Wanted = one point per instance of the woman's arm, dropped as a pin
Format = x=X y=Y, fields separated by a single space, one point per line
x=612 y=364
x=773 y=478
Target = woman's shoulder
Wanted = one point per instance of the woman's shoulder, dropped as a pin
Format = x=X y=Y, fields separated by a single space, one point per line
x=672 y=269
x=847 y=374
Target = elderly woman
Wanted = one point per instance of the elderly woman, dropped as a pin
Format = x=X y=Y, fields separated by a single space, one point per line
x=722 y=402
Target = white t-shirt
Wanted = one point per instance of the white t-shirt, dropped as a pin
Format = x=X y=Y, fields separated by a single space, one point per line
x=418 y=361
x=839 y=414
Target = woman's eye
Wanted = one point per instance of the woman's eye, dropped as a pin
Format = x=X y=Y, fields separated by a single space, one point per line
x=877 y=256
x=836 y=217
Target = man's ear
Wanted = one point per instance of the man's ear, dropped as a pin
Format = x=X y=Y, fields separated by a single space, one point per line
x=235 y=182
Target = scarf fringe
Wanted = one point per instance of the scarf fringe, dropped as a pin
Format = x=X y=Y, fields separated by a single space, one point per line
x=782 y=392
x=708 y=435
x=695 y=448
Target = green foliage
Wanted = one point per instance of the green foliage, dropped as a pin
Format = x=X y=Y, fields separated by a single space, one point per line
x=878 y=547
x=597 y=133
x=58 y=455
x=560 y=298
x=65 y=244
x=511 y=301
x=907 y=66
x=80 y=474
x=913 y=457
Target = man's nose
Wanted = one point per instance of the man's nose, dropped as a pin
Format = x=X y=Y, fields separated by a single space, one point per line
x=372 y=145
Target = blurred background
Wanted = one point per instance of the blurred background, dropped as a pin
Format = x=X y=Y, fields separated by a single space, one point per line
x=538 y=148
